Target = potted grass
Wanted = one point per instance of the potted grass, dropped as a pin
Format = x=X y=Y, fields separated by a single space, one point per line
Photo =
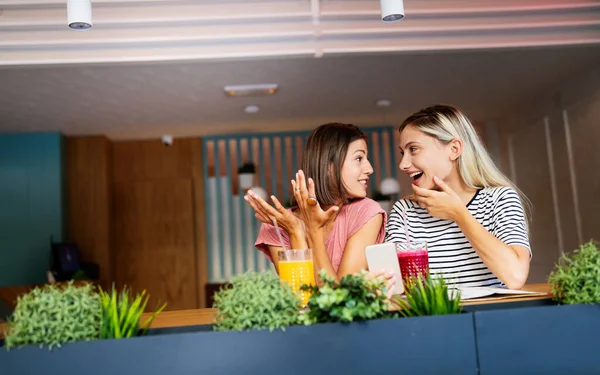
x=246 y=175
x=122 y=314
x=427 y=296
x=556 y=339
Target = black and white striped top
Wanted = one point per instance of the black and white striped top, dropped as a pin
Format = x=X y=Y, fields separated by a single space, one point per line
x=498 y=209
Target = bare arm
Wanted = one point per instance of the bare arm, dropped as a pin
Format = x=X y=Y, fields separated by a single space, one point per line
x=510 y=263
x=354 y=259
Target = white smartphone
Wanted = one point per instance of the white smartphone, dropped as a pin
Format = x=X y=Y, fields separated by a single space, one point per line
x=383 y=257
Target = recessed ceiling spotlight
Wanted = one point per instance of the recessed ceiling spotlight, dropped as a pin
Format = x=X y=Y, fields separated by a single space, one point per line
x=252 y=109
x=383 y=103
x=251 y=90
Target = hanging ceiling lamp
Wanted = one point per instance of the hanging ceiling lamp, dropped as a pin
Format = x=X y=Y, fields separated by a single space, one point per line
x=392 y=10
x=79 y=14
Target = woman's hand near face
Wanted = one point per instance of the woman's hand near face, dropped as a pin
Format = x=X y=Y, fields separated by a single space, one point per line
x=313 y=216
x=444 y=204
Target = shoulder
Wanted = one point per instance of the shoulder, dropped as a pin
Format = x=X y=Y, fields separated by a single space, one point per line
x=266 y=230
x=364 y=205
x=500 y=194
x=360 y=211
x=405 y=205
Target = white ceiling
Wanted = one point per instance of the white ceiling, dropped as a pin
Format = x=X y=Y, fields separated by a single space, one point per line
x=126 y=82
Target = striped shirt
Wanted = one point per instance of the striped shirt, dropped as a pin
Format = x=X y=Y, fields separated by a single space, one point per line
x=498 y=209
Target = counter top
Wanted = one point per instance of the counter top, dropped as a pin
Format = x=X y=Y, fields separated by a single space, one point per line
x=180 y=318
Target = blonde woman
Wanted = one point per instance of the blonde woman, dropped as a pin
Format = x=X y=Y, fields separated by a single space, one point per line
x=470 y=214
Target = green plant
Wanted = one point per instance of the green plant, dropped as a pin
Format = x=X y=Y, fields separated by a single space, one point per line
x=79 y=275
x=121 y=314
x=355 y=298
x=54 y=315
x=247 y=168
x=256 y=301
x=576 y=277
x=428 y=296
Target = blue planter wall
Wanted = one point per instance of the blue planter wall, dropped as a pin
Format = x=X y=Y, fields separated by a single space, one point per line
x=31 y=204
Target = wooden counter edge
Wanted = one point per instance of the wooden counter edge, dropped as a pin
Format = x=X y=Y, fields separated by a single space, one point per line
x=180 y=318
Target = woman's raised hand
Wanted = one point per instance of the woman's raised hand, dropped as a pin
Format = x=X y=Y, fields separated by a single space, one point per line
x=310 y=210
x=266 y=213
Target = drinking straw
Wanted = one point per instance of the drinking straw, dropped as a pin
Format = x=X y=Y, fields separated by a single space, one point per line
x=406 y=228
x=279 y=234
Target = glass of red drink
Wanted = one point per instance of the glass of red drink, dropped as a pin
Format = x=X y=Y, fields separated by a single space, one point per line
x=413 y=259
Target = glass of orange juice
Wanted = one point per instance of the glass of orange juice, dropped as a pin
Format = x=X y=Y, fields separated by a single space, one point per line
x=296 y=268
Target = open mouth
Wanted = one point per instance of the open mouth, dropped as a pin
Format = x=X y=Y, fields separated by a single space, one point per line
x=363 y=182
x=416 y=176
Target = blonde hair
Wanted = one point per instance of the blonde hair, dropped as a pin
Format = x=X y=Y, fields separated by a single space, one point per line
x=475 y=166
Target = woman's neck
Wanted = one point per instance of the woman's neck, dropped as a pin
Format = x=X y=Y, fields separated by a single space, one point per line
x=464 y=191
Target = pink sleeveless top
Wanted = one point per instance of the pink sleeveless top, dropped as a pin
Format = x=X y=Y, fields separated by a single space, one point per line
x=349 y=220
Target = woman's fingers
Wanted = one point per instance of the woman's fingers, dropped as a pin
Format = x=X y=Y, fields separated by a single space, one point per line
x=277 y=204
x=259 y=213
x=312 y=196
x=262 y=219
x=262 y=207
x=302 y=185
x=330 y=213
x=297 y=196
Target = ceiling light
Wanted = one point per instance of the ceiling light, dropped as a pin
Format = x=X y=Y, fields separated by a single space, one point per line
x=251 y=90
x=79 y=14
x=392 y=10
x=251 y=109
x=383 y=103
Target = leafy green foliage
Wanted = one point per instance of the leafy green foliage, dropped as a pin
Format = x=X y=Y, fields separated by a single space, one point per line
x=256 y=301
x=121 y=314
x=355 y=298
x=428 y=296
x=576 y=278
x=54 y=315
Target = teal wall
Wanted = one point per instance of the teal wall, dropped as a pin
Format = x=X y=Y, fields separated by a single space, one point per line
x=31 y=204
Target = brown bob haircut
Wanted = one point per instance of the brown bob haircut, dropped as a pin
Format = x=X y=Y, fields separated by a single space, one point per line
x=323 y=157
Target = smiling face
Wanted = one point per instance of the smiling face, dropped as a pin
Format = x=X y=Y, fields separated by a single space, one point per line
x=356 y=170
x=424 y=157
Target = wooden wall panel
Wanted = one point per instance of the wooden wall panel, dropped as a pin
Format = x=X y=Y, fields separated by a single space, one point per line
x=154 y=240
x=200 y=221
x=159 y=220
x=89 y=194
x=151 y=160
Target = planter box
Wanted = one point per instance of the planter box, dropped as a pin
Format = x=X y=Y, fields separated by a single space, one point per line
x=425 y=345
x=539 y=340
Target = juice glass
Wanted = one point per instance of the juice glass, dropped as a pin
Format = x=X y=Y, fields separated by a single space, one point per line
x=413 y=259
x=296 y=268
